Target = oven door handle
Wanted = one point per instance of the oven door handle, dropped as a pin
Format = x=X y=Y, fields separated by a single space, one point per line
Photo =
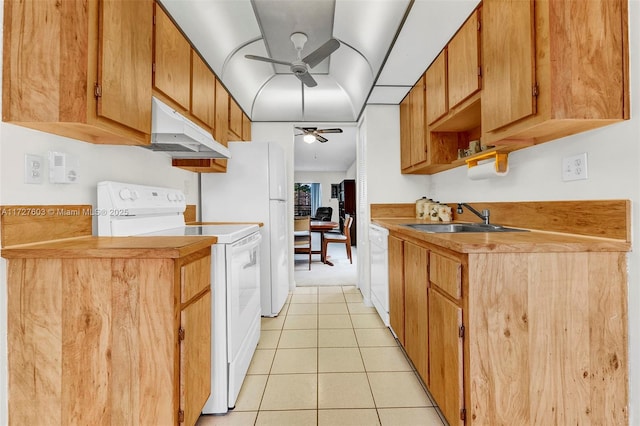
x=253 y=259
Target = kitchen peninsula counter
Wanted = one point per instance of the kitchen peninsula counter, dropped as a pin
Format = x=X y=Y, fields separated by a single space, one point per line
x=173 y=247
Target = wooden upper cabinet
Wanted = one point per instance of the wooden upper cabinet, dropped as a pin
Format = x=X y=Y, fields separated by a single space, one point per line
x=463 y=59
x=172 y=61
x=222 y=114
x=85 y=89
x=413 y=135
x=405 y=132
x=509 y=63
x=203 y=91
x=418 y=128
x=246 y=128
x=542 y=77
x=235 y=120
x=436 y=88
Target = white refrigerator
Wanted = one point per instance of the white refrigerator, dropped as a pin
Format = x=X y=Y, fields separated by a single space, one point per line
x=254 y=189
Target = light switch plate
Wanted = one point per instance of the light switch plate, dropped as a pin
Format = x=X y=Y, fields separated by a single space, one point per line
x=574 y=167
x=33 y=169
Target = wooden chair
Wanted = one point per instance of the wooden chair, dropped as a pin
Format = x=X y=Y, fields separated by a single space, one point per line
x=345 y=238
x=302 y=236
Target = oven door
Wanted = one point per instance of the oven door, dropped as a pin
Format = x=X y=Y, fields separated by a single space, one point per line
x=243 y=307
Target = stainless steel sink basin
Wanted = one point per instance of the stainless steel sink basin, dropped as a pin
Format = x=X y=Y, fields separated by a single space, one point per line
x=460 y=227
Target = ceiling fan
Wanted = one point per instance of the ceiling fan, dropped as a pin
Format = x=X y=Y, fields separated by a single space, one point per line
x=300 y=67
x=312 y=134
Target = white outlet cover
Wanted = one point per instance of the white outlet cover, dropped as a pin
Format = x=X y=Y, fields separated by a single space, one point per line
x=33 y=169
x=574 y=167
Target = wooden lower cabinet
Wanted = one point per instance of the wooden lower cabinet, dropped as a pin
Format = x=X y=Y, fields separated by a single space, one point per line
x=396 y=287
x=108 y=340
x=517 y=338
x=445 y=356
x=416 y=317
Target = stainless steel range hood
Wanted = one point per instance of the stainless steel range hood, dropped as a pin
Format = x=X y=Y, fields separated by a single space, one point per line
x=173 y=133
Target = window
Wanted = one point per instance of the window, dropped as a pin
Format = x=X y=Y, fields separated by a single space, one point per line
x=306 y=198
x=302 y=199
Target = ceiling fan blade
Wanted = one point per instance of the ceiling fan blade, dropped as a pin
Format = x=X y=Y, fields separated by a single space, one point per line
x=306 y=129
x=321 y=139
x=329 y=131
x=322 y=52
x=263 y=59
x=306 y=79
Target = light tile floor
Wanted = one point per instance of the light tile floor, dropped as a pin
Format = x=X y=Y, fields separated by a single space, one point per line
x=328 y=359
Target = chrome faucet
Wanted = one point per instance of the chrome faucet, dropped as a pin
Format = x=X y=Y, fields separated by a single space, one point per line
x=484 y=215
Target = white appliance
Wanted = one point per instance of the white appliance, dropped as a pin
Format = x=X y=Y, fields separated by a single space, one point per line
x=254 y=189
x=173 y=133
x=128 y=209
x=379 y=254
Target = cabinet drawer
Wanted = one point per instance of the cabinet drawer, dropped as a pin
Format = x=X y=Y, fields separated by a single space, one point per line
x=446 y=274
x=194 y=277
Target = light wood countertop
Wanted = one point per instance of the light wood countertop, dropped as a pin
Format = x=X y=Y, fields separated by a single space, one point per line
x=111 y=247
x=505 y=242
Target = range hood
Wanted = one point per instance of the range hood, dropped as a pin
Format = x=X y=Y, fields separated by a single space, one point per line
x=173 y=133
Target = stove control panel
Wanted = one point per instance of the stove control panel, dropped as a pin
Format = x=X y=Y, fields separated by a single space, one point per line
x=151 y=206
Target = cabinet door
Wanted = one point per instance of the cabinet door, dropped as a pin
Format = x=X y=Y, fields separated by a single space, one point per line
x=463 y=60
x=405 y=132
x=418 y=128
x=416 y=319
x=203 y=91
x=222 y=114
x=445 y=356
x=195 y=358
x=172 y=61
x=436 y=88
x=396 y=287
x=235 y=120
x=508 y=48
x=126 y=26
x=246 y=128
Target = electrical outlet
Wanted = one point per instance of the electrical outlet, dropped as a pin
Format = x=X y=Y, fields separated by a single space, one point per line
x=574 y=167
x=33 y=169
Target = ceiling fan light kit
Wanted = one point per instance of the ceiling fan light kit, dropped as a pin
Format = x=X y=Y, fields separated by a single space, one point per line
x=312 y=134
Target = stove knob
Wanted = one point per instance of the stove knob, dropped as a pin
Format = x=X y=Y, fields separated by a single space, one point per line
x=171 y=197
x=125 y=194
x=135 y=195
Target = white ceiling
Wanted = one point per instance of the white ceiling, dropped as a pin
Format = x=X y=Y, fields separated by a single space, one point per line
x=385 y=46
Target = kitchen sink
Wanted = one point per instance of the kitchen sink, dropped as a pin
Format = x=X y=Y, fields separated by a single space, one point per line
x=460 y=227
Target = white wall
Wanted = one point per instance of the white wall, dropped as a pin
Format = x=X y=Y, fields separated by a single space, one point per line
x=325 y=179
x=613 y=158
x=385 y=183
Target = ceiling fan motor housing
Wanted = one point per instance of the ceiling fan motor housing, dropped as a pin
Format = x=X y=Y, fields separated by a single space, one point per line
x=299 y=68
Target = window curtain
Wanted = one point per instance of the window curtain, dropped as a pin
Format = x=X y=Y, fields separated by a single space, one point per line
x=316 y=197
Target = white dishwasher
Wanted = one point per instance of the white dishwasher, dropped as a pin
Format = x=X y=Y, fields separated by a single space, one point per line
x=379 y=254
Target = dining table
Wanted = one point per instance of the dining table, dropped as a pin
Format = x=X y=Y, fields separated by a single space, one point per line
x=321 y=227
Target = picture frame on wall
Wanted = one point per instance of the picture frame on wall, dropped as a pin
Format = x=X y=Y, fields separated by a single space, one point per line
x=335 y=190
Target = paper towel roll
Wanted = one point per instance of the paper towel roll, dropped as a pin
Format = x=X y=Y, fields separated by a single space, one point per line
x=485 y=171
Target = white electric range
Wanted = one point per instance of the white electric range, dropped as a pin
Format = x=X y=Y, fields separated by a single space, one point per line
x=129 y=209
